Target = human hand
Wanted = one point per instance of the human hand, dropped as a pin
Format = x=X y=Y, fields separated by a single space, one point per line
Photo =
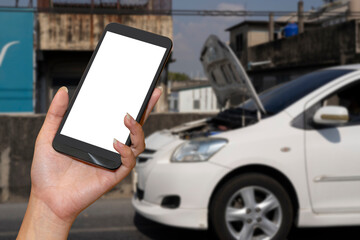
x=61 y=187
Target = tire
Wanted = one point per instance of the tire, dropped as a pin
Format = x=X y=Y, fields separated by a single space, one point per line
x=268 y=214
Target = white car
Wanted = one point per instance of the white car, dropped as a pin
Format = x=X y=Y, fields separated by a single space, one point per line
x=288 y=156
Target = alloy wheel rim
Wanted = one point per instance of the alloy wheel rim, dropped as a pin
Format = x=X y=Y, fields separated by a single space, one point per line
x=253 y=213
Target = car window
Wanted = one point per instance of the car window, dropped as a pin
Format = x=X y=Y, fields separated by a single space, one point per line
x=280 y=97
x=348 y=97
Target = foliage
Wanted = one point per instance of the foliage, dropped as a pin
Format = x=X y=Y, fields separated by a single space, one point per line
x=176 y=76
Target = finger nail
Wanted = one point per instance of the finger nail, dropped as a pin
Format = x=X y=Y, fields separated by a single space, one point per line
x=160 y=88
x=117 y=142
x=65 y=89
x=129 y=117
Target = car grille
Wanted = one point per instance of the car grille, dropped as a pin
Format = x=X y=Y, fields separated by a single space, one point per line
x=142 y=159
x=146 y=155
x=139 y=193
x=149 y=151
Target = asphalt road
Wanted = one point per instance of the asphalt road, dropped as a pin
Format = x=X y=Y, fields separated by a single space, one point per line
x=116 y=219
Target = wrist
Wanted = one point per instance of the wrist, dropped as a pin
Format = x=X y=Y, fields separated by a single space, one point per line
x=40 y=222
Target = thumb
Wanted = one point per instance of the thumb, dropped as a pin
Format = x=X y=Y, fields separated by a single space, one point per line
x=54 y=115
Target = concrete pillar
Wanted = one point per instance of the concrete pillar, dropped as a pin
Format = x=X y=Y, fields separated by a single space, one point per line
x=271 y=27
x=150 y=5
x=43 y=3
x=353 y=9
x=162 y=105
x=118 y=4
x=301 y=16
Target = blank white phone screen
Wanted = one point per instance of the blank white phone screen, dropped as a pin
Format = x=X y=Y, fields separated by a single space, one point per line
x=117 y=83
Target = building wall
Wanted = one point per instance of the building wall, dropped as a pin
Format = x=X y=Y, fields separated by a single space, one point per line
x=333 y=45
x=297 y=55
x=16 y=159
x=74 y=31
x=257 y=36
x=235 y=32
x=203 y=97
x=66 y=40
x=252 y=36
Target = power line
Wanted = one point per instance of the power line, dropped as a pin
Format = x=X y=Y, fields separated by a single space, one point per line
x=181 y=12
x=231 y=13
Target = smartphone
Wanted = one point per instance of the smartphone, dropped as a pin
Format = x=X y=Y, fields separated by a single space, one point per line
x=119 y=79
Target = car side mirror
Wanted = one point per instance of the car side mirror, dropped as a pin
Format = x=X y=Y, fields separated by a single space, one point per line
x=331 y=115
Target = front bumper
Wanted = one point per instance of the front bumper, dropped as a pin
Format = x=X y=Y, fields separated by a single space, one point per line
x=187 y=218
x=192 y=183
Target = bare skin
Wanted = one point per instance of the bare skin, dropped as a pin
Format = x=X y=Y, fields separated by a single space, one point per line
x=61 y=187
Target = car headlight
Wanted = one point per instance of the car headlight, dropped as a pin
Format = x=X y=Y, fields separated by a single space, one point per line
x=198 y=150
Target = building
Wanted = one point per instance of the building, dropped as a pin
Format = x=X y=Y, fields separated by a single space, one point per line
x=61 y=36
x=335 y=12
x=327 y=37
x=249 y=33
x=192 y=96
x=68 y=32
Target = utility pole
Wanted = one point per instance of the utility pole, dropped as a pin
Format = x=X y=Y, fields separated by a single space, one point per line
x=118 y=5
x=301 y=16
x=271 y=27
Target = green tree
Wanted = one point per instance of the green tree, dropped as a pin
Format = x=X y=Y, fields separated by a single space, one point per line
x=176 y=76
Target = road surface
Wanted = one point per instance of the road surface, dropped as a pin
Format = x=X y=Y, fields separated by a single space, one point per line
x=116 y=219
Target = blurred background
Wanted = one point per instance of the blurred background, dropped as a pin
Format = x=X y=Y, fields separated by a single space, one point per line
x=46 y=44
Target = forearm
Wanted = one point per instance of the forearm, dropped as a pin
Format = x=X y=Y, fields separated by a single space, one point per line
x=41 y=223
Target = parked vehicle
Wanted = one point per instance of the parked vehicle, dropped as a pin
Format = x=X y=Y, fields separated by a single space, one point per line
x=289 y=156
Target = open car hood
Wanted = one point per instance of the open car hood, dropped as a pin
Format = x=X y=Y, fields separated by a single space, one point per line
x=225 y=72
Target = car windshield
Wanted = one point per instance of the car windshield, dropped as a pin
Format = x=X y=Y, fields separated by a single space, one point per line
x=278 y=98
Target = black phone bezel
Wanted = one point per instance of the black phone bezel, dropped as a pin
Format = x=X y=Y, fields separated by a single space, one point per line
x=93 y=154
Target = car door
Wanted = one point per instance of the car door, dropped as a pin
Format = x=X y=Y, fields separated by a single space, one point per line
x=333 y=153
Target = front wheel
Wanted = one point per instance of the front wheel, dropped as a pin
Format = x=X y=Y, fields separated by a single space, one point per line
x=251 y=206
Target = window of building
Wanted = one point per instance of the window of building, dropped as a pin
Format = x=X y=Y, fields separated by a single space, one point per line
x=176 y=105
x=196 y=104
x=239 y=43
x=276 y=35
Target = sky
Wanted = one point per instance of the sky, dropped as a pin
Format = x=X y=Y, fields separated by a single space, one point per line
x=190 y=33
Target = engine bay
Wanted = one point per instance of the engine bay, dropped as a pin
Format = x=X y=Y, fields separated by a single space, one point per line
x=232 y=118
